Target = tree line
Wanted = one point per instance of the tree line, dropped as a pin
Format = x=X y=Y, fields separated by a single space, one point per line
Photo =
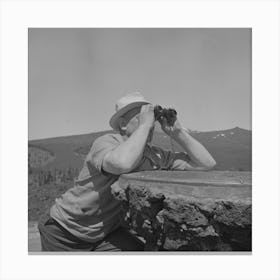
x=41 y=177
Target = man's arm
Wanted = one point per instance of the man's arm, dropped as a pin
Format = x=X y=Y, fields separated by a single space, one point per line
x=128 y=154
x=200 y=157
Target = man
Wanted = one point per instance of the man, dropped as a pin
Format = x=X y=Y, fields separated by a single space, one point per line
x=86 y=217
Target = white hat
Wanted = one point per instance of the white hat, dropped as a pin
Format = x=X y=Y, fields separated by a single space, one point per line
x=125 y=104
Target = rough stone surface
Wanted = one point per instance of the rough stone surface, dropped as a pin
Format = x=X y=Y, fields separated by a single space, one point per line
x=187 y=211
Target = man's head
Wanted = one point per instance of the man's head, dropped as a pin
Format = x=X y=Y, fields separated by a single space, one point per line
x=126 y=118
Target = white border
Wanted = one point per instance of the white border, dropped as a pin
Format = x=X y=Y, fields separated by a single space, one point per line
x=262 y=16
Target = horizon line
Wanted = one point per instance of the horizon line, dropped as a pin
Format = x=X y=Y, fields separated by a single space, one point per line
x=109 y=130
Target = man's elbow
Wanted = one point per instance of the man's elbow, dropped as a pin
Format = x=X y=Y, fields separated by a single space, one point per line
x=210 y=164
x=116 y=166
x=124 y=166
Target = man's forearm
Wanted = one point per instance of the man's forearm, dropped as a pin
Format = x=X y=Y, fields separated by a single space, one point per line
x=197 y=152
x=128 y=154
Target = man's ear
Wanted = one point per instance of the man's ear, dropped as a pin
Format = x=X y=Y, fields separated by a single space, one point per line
x=122 y=124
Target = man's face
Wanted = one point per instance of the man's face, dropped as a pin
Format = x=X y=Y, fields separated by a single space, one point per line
x=132 y=122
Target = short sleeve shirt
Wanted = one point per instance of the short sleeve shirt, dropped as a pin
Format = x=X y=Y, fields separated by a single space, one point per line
x=88 y=210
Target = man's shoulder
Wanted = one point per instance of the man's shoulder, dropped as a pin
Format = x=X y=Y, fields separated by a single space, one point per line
x=104 y=142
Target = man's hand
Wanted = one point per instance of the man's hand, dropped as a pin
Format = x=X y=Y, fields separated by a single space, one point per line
x=146 y=116
x=171 y=130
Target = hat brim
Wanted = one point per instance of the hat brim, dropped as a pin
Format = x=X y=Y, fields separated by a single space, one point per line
x=114 y=119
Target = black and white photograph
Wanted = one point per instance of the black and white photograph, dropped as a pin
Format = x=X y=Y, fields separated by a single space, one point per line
x=139 y=140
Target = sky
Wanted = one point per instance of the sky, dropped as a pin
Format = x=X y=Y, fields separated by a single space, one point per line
x=75 y=76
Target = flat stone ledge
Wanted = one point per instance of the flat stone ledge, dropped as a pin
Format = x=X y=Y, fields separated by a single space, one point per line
x=189 y=211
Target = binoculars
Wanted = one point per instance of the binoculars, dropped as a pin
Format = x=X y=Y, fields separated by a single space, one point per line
x=165 y=113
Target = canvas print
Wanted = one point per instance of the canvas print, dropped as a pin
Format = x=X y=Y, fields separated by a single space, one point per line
x=139 y=140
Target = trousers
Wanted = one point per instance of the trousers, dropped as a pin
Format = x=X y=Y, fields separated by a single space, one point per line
x=55 y=238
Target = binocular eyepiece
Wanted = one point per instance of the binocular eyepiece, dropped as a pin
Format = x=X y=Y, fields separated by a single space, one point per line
x=165 y=113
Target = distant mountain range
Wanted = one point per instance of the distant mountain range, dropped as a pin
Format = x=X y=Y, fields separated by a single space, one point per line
x=231 y=148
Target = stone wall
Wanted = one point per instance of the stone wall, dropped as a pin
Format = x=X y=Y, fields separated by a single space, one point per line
x=187 y=211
